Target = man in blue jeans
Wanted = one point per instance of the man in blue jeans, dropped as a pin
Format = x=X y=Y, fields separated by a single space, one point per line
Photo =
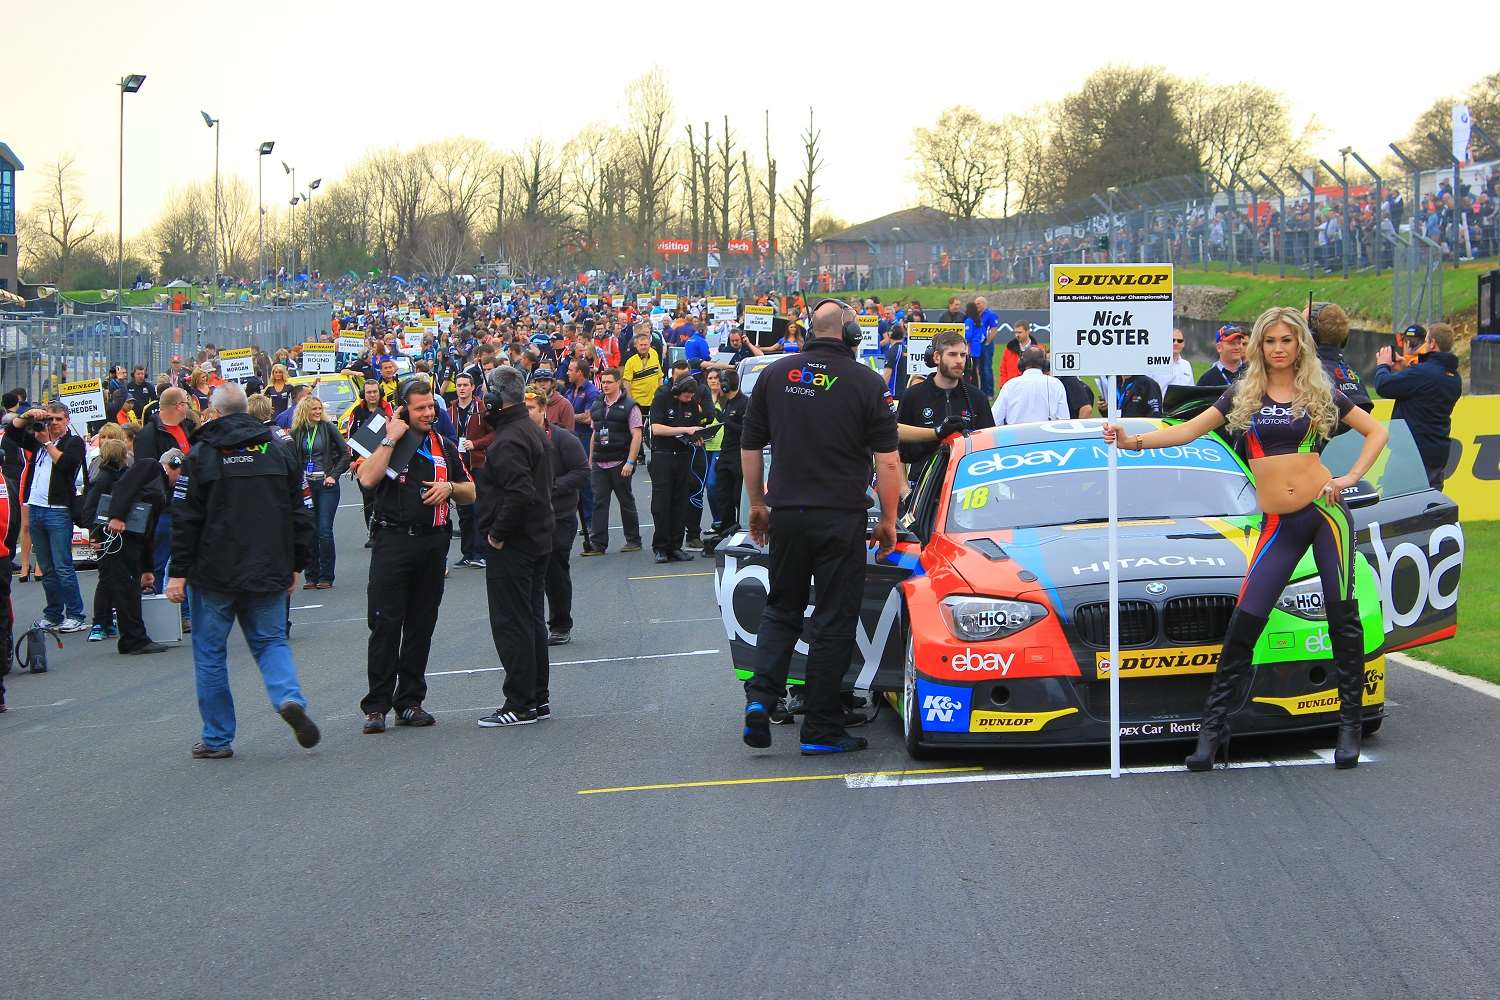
x=240 y=537
x=48 y=498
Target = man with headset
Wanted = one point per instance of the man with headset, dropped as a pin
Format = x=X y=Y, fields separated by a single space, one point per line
x=824 y=415
x=678 y=417
x=411 y=529
x=944 y=403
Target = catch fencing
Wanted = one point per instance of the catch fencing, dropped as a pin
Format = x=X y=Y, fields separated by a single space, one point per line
x=40 y=352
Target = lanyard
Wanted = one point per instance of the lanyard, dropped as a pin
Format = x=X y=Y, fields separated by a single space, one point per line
x=434 y=454
x=312 y=436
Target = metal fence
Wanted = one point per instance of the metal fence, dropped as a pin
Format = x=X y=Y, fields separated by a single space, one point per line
x=40 y=352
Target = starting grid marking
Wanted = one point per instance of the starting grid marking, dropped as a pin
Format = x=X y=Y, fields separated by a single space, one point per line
x=576 y=663
x=913 y=777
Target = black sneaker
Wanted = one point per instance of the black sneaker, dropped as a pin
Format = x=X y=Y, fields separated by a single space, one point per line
x=502 y=717
x=837 y=744
x=631 y=547
x=150 y=647
x=677 y=555
x=544 y=711
x=414 y=715
x=660 y=557
x=559 y=638
x=305 y=729
x=592 y=552
x=201 y=752
x=757 y=732
x=693 y=545
x=374 y=723
x=463 y=561
x=478 y=563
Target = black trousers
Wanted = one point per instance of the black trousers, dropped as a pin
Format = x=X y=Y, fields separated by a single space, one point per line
x=826 y=547
x=608 y=483
x=697 y=488
x=560 y=577
x=119 y=590
x=468 y=538
x=405 y=590
x=672 y=486
x=729 y=480
x=13 y=531
x=515 y=583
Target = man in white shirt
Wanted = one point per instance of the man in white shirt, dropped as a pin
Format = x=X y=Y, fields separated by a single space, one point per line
x=1179 y=372
x=1032 y=397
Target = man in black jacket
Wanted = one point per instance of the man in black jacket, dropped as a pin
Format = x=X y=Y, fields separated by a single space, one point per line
x=729 y=478
x=169 y=427
x=570 y=473
x=1330 y=329
x=515 y=519
x=411 y=528
x=240 y=536
x=1425 y=394
x=48 y=498
x=122 y=573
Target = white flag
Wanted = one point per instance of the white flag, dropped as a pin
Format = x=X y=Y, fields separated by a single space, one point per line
x=1461 y=131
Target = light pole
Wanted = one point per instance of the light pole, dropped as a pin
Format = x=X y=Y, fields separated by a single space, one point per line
x=291 y=229
x=213 y=123
x=128 y=85
x=308 y=198
x=896 y=232
x=260 y=213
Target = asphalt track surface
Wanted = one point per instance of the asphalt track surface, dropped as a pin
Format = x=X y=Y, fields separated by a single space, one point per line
x=458 y=861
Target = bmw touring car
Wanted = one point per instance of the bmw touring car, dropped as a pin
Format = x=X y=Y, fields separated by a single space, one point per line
x=988 y=625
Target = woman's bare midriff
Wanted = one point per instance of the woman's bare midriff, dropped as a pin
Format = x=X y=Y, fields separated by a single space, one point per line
x=1284 y=483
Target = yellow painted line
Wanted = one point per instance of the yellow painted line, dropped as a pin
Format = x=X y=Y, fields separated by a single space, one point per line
x=783 y=779
x=669 y=576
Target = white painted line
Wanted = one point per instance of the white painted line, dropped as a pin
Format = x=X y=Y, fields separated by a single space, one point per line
x=1321 y=757
x=556 y=715
x=50 y=704
x=679 y=621
x=306 y=607
x=575 y=663
x=1483 y=687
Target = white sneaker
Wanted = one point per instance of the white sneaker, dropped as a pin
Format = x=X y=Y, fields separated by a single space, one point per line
x=72 y=625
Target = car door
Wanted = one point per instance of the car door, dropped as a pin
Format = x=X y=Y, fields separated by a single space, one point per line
x=1411 y=535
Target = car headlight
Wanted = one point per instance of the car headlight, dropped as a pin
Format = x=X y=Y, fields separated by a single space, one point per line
x=977 y=619
x=1304 y=599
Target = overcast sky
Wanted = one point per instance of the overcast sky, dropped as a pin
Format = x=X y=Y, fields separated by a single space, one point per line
x=329 y=80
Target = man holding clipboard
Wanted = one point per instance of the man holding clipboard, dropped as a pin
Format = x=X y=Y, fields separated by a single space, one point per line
x=414 y=472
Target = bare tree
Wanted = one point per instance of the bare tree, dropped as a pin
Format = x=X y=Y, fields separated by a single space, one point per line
x=804 y=192
x=726 y=166
x=650 y=104
x=960 y=161
x=769 y=187
x=459 y=169
x=1238 y=128
x=181 y=241
x=59 y=225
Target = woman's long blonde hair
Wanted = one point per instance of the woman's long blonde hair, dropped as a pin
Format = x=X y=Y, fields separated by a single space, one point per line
x=302 y=416
x=1312 y=391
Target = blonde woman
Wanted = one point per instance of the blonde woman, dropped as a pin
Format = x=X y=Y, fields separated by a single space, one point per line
x=324 y=455
x=279 y=391
x=1287 y=409
x=198 y=387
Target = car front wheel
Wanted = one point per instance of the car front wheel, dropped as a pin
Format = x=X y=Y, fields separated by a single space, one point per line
x=911 y=719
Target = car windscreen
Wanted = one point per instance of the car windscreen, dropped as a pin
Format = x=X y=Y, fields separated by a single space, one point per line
x=337 y=396
x=1066 y=482
x=750 y=374
x=1398 y=471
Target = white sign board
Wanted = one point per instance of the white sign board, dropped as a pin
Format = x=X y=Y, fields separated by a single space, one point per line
x=669 y=303
x=1111 y=319
x=759 y=319
x=237 y=365
x=85 y=402
x=919 y=341
x=643 y=300
x=723 y=308
x=319 y=359
x=411 y=337
x=351 y=346
x=869 y=326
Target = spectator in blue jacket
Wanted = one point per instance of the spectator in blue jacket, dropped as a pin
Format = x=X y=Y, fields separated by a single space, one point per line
x=1425 y=393
x=980 y=325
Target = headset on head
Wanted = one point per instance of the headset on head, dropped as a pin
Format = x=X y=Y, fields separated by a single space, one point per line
x=850 y=330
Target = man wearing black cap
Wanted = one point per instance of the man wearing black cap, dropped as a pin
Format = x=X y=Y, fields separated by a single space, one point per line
x=678 y=417
x=559 y=410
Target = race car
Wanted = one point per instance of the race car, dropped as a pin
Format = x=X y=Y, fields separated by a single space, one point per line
x=988 y=626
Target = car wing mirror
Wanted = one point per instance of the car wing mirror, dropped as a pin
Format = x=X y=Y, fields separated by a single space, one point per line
x=1361 y=494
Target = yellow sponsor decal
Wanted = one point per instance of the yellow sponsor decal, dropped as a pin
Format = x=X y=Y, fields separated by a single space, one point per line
x=1144 y=281
x=1161 y=662
x=1013 y=722
x=79 y=388
x=236 y=353
x=1477 y=468
x=922 y=331
x=1328 y=701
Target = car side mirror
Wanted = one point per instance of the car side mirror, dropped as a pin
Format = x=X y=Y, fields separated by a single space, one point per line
x=1361 y=494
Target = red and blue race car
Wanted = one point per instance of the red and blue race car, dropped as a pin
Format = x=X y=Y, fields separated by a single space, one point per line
x=988 y=625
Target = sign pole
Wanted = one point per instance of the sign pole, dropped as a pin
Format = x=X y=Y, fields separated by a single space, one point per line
x=1114 y=585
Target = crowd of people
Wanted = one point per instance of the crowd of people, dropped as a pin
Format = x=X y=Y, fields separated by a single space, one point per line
x=517 y=421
